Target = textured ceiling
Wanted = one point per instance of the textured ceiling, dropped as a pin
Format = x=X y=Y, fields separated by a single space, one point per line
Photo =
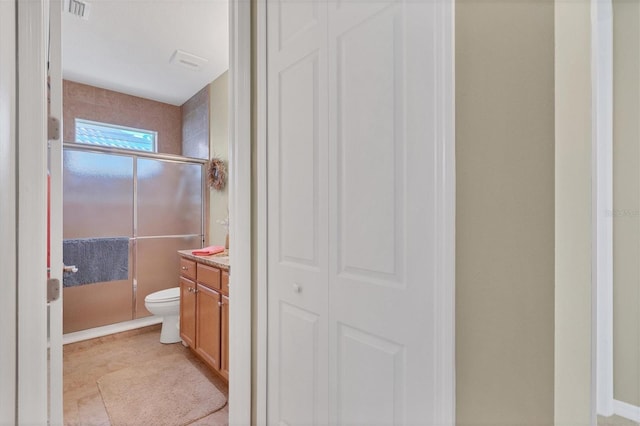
x=126 y=46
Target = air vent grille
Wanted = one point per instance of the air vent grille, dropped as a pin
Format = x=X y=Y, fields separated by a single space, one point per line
x=78 y=8
x=187 y=60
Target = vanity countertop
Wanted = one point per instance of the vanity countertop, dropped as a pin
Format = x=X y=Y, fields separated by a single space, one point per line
x=220 y=260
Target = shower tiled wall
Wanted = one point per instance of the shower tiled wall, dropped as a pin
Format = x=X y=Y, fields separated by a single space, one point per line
x=195 y=125
x=106 y=106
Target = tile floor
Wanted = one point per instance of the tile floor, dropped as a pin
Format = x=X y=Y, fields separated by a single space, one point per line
x=85 y=362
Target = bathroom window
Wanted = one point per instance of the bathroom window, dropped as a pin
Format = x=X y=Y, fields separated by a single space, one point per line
x=113 y=136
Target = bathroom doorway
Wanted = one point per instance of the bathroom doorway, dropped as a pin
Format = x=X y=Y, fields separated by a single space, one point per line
x=179 y=60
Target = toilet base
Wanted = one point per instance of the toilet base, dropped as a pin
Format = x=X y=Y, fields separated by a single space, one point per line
x=170 y=332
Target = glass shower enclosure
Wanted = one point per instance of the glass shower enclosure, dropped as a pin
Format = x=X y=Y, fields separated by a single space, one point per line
x=156 y=202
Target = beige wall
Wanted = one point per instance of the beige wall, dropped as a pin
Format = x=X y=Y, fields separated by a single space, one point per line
x=219 y=147
x=573 y=391
x=505 y=212
x=107 y=106
x=626 y=201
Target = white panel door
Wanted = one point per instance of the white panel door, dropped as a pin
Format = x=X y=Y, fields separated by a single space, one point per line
x=297 y=224
x=360 y=212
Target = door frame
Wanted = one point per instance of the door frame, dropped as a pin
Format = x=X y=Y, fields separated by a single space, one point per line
x=261 y=242
x=23 y=112
x=8 y=123
x=56 y=389
x=240 y=213
x=444 y=321
x=27 y=169
x=31 y=186
x=603 y=402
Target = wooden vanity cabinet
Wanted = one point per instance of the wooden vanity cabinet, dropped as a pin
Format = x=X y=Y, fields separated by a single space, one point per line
x=187 y=311
x=204 y=314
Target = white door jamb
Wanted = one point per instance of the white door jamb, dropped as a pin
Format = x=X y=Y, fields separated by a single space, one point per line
x=8 y=165
x=261 y=232
x=240 y=314
x=602 y=166
x=32 y=390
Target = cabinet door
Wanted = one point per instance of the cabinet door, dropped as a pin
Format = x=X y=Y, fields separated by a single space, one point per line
x=208 y=326
x=224 y=338
x=187 y=311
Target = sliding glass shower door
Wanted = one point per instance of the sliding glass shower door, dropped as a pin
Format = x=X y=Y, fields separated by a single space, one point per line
x=156 y=202
x=169 y=218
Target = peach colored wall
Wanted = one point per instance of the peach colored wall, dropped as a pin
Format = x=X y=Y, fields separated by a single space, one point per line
x=195 y=125
x=106 y=106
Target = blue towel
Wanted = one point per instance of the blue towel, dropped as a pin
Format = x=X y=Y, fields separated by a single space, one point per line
x=98 y=260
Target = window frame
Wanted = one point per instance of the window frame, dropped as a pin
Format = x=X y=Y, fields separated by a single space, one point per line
x=117 y=127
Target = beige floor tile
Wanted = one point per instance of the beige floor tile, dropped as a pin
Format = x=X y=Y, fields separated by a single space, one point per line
x=85 y=362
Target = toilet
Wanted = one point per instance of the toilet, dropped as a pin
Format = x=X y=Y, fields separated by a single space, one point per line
x=166 y=304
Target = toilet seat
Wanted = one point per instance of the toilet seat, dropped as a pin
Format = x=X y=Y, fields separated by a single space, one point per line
x=168 y=295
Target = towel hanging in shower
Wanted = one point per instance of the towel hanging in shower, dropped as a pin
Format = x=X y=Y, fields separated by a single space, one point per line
x=97 y=259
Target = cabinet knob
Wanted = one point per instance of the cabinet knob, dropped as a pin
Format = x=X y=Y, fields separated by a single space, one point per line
x=297 y=288
x=184 y=268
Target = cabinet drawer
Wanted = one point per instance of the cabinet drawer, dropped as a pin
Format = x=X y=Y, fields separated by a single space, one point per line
x=209 y=276
x=225 y=282
x=188 y=268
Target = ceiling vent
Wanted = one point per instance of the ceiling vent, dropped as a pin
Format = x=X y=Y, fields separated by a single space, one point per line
x=78 y=8
x=187 y=60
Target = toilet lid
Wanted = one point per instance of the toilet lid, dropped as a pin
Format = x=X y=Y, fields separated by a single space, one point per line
x=168 y=295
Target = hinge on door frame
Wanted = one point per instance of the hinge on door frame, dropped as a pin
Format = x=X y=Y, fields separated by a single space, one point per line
x=53 y=290
x=53 y=129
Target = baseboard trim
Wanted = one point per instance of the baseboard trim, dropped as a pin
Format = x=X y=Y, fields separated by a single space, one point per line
x=106 y=330
x=626 y=410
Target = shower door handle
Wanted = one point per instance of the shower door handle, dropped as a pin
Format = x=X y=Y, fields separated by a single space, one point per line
x=71 y=269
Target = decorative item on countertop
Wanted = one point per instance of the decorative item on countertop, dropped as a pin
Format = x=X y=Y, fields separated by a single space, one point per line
x=225 y=223
x=208 y=251
x=217 y=173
